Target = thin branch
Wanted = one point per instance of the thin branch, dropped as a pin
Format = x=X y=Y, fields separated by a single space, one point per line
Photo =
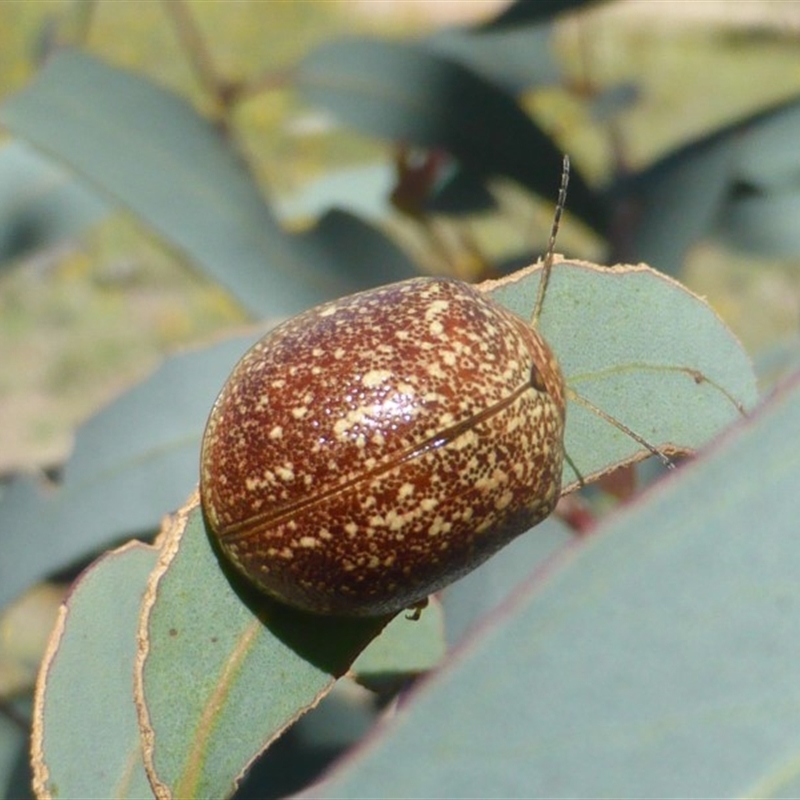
x=197 y=50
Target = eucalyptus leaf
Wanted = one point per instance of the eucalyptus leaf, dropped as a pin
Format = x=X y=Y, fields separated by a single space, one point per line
x=643 y=349
x=777 y=362
x=516 y=59
x=362 y=189
x=767 y=156
x=86 y=735
x=657 y=658
x=367 y=256
x=180 y=176
x=407 y=94
x=525 y=12
x=311 y=745
x=467 y=602
x=676 y=202
x=727 y=183
x=199 y=668
x=217 y=678
x=40 y=204
x=133 y=462
x=15 y=775
x=763 y=222
x=406 y=646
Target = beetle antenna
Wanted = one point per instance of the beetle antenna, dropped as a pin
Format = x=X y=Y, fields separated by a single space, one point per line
x=551 y=244
x=652 y=449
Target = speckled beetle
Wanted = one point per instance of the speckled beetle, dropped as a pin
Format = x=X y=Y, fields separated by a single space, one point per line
x=373 y=449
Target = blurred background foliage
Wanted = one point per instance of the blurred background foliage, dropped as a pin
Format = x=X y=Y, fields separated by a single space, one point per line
x=82 y=320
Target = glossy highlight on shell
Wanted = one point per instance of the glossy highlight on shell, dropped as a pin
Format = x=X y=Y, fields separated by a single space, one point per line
x=373 y=449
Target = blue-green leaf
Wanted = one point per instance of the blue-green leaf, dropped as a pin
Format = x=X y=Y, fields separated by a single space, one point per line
x=525 y=12
x=133 y=462
x=85 y=694
x=40 y=204
x=657 y=658
x=405 y=93
x=221 y=673
x=149 y=150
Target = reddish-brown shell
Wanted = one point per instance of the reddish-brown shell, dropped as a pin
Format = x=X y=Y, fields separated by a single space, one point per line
x=373 y=449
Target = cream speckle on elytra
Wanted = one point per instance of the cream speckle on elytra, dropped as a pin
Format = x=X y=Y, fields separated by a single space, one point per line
x=349 y=393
